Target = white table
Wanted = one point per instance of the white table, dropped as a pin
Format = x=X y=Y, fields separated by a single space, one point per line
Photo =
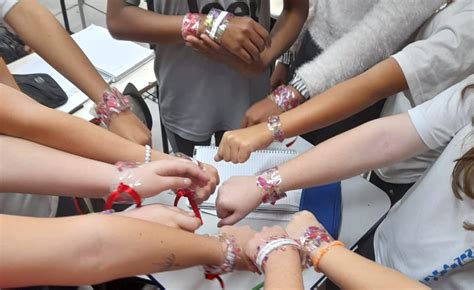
x=363 y=205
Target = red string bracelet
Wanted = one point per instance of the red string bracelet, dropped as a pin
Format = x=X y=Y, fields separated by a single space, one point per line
x=188 y=193
x=215 y=276
x=117 y=194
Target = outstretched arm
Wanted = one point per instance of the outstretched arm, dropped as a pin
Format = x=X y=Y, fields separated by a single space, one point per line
x=38 y=28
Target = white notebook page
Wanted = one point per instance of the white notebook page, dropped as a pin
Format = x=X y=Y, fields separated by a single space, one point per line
x=258 y=162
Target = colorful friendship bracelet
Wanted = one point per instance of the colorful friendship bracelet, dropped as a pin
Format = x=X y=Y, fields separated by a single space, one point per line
x=112 y=102
x=232 y=251
x=269 y=181
x=274 y=125
x=216 y=23
x=190 y=25
x=285 y=98
x=311 y=241
x=274 y=244
x=322 y=251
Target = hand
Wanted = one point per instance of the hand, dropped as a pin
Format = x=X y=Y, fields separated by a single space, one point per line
x=152 y=178
x=169 y=216
x=280 y=75
x=300 y=222
x=260 y=239
x=237 y=145
x=203 y=193
x=215 y=52
x=245 y=38
x=260 y=112
x=237 y=197
x=241 y=235
x=127 y=125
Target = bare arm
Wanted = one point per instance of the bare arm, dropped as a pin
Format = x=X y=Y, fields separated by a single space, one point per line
x=95 y=248
x=6 y=77
x=20 y=117
x=335 y=104
x=50 y=171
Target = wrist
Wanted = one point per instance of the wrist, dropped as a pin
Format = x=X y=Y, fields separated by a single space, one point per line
x=326 y=253
x=216 y=23
x=283 y=259
x=112 y=103
x=286 y=98
x=275 y=128
x=269 y=183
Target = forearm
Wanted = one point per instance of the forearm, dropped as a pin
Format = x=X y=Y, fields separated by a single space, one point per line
x=40 y=165
x=133 y=23
x=345 y=99
x=288 y=27
x=64 y=132
x=6 y=77
x=95 y=248
x=42 y=32
x=283 y=270
x=351 y=271
x=369 y=146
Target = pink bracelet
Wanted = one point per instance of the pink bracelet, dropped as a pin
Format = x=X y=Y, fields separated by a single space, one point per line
x=274 y=125
x=312 y=240
x=269 y=181
x=285 y=98
x=231 y=254
x=113 y=102
x=190 y=25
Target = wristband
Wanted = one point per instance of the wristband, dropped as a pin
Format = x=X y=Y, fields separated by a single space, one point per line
x=287 y=58
x=285 y=98
x=124 y=189
x=322 y=251
x=190 y=25
x=274 y=125
x=299 y=85
x=269 y=181
x=232 y=251
x=312 y=240
x=112 y=102
x=216 y=23
x=147 y=154
x=273 y=245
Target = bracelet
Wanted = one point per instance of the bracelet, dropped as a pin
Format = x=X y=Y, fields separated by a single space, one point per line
x=274 y=125
x=190 y=25
x=147 y=154
x=124 y=189
x=186 y=157
x=273 y=245
x=312 y=240
x=216 y=23
x=212 y=272
x=299 y=85
x=113 y=102
x=285 y=98
x=321 y=252
x=269 y=181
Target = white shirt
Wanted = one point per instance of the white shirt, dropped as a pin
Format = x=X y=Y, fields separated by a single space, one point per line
x=442 y=56
x=5 y=6
x=422 y=235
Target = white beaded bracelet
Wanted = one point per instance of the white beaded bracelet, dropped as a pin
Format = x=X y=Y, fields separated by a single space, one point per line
x=147 y=154
x=270 y=247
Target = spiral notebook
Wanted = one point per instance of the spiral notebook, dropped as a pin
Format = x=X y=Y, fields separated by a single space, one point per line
x=258 y=162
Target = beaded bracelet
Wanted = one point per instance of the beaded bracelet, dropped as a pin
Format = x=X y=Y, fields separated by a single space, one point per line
x=232 y=251
x=273 y=245
x=274 y=125
x=269 y=181
x=216 y=23
x=190 y=25
x=322 y=251
x=147 y=154
x=113 y=102
x=285 y=98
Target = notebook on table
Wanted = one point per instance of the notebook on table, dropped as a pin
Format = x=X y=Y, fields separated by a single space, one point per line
x=259 y=161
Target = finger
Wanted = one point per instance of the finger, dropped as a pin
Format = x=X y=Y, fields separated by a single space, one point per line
x=252 y=50
x=227 y=152
x=197 y=44
x=175 y=182
x=234 y=155
x=181 y=168
x=263 y=34
x=230 y=220
x=245 y=56
x=210 y=44
x=220 y=152
x=244 y=122
x=258 y=41
x=243 y=155
x=187 y=222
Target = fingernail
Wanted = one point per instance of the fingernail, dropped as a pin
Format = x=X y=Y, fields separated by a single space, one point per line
x=187 y=181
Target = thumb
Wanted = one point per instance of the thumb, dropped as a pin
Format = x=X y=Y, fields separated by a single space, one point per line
x=230 y=220
x=187 y=222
